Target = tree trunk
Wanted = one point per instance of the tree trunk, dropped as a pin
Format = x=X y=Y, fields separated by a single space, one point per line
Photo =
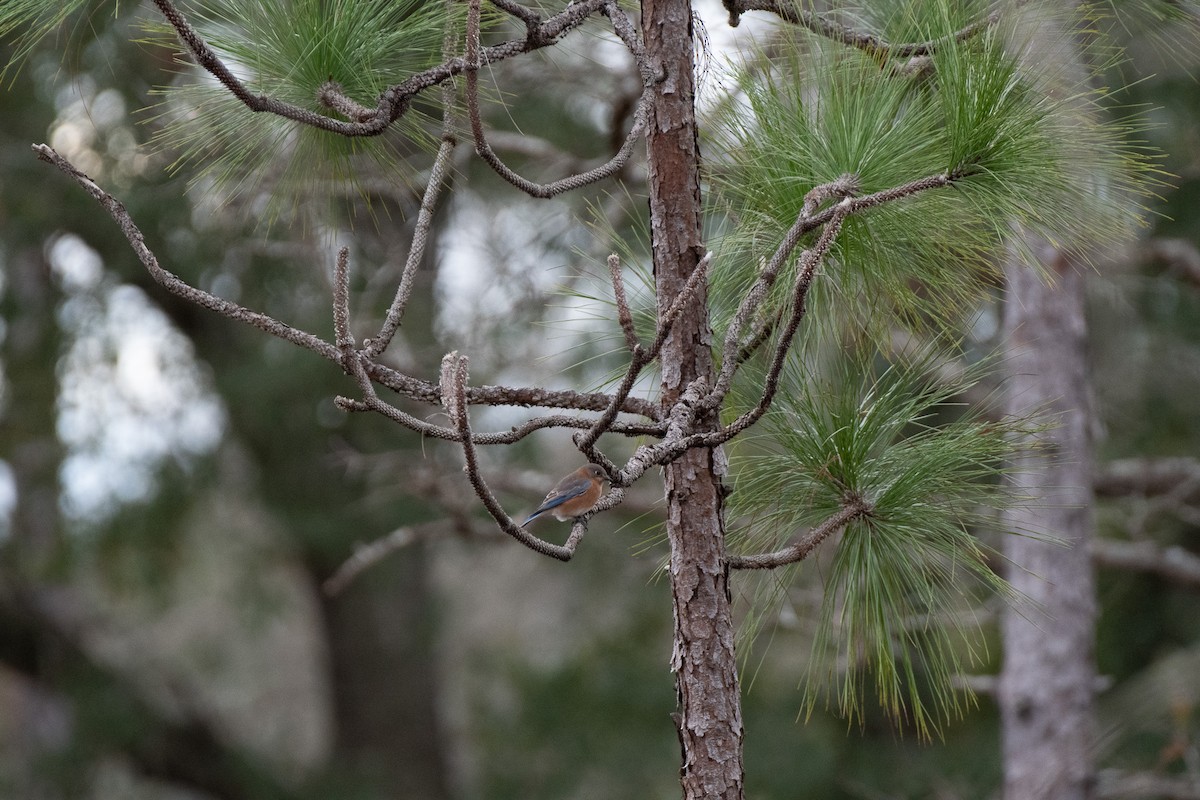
x=1046 y=686
x=710 y=715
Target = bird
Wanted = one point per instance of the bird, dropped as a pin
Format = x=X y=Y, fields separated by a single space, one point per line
x=574 y=495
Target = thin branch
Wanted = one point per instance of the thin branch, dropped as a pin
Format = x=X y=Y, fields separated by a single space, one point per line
x=506 y=523
x=671 y=448
x=523 y=396
x=342 y=339
x=807 y=221
x=638 y=360
x=511 y=436
x=762 y=332
x=531 y=18
x=407 y=385
x=823 y=25
x=681 y=419
x=803 y=546
x=810 y=260
x=690 y=287
x=416 y=251
x=624 y=315
x=366 y=556
x=485 y=151
x=332 y=95
x=1174 y=563
x=736 y=351
x=396 y=99
x=624 y=29
x=171 y=282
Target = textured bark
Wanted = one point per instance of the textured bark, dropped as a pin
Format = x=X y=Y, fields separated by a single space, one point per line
x=710 y=716
x=1046 y=687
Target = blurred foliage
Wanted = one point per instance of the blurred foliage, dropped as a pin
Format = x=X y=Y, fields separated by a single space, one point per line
x=594 y=722
x=897 y=594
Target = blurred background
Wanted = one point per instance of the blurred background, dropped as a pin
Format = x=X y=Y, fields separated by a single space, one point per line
x=176 y=490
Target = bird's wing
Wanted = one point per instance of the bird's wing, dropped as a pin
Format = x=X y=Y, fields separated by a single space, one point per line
x=562 y=494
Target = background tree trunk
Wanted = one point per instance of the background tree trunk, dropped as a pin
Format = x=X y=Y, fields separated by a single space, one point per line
x=1046 y=687
x=710 y=715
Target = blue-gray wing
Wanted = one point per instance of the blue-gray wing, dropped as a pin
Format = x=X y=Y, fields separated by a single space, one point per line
x=567 y=490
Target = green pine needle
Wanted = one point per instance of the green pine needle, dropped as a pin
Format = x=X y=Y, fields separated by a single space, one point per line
x=1031 y=143
x=288 y=50
x=900 y=576
x=27 y=22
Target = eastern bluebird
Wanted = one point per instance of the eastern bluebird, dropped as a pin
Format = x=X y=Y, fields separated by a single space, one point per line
x=574 y=495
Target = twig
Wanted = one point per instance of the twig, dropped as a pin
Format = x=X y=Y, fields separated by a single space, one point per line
x=527 y=15
x=406 y=385
x=366 y=556
x=805 y=544
x=624 y=29
x=624 y=315
x=342 y=339
x=393 y=101
x=506 y=523
x=822 y=25
x=416 y=251
x=805 y=270
x=485 y=151
x=332 y=95
x=737 y=351
x=804 y=225
x=672 y=448
x=172 y=282
x=694 y=281
x=364 y=373
x=680 y=421
x=639 y=358
x=523 y=396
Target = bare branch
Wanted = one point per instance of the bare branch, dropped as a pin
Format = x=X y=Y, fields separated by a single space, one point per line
x=416 y=251
x=172 y=282
x=805 y=544
x=624 y=315
x=1174 y=563
x=626 y=33
x=333 y=96
x=393 y=101
x=531 y=18
x=342 y=339
x=690 y=287
x=366 y=556
x=515 y=434
x=750 y=346
x=638 y=360
x=406 y=385
x=462 y=418
x=485 y=151
x=824 y=25
x=736 y=351
x=670 y=448
x=680 y=422
x=523 y=396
